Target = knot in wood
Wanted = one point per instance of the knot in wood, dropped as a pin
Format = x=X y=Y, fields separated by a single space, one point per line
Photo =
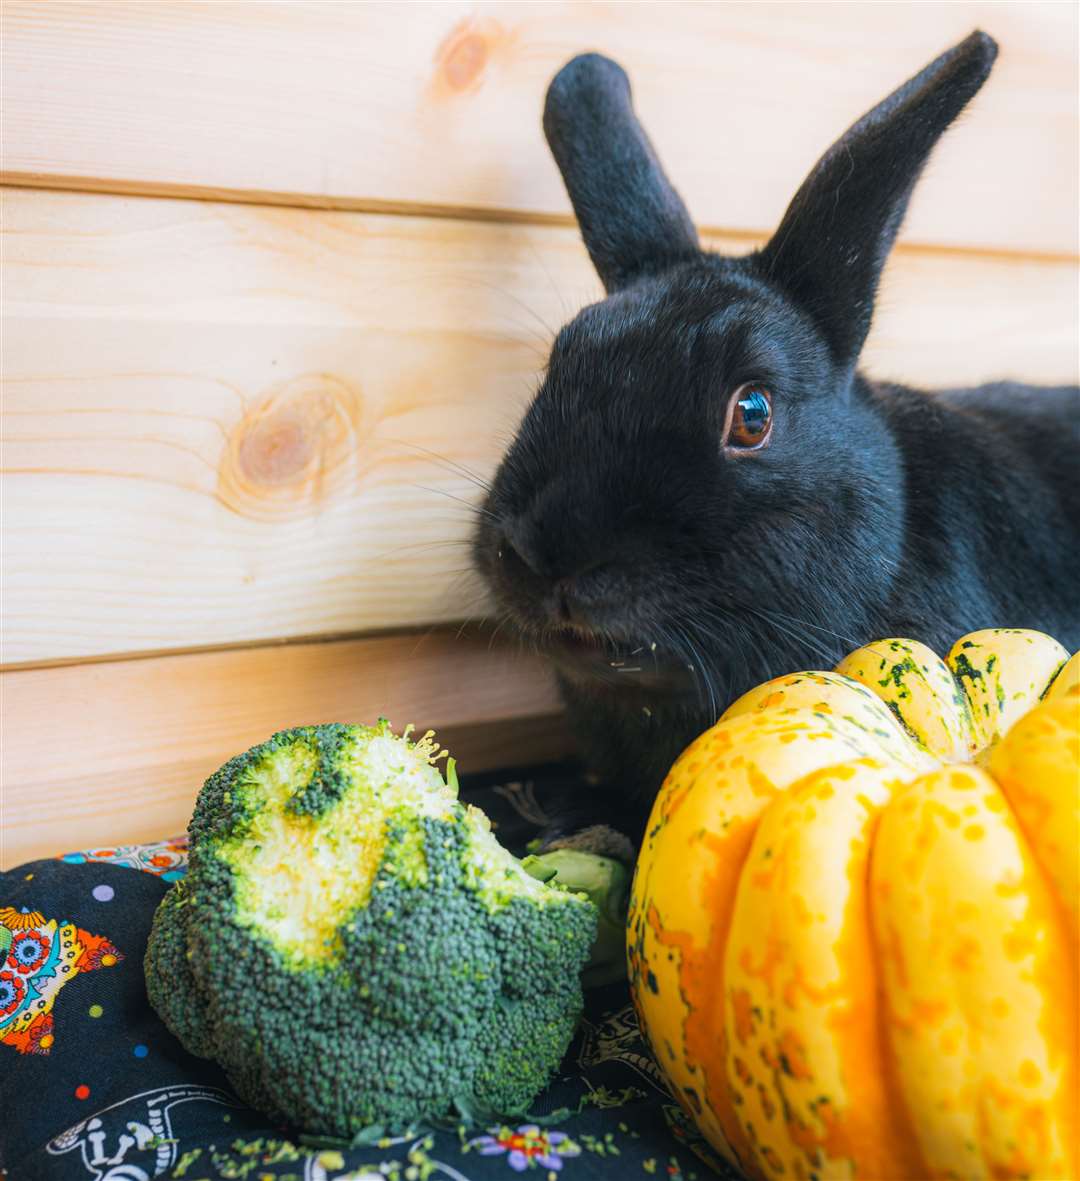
x=293 y=449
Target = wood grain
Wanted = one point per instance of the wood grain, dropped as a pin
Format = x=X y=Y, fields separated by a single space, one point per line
x=106 y=753
x=425 y=106
x=228 y=423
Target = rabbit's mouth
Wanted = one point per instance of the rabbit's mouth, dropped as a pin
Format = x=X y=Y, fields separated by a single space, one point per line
x=581 y=639
x=632 y=665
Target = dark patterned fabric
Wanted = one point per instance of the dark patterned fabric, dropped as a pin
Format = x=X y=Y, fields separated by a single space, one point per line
x=94 y=1087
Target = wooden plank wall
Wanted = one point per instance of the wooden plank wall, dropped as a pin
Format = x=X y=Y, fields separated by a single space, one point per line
x=104 y=752
x=420 y=106
x=278 y=282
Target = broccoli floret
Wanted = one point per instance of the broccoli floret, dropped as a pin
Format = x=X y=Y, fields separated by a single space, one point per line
x=354 y=946
x=606 y=882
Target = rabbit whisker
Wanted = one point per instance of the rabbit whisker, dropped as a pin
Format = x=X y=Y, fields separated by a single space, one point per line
x=544 y=339
x=447 y=463
x=478 y=509
x=440 y=543
x=806 y=641
x=699 y=669
x=817 y=627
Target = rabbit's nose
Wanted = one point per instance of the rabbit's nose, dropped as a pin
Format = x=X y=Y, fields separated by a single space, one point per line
x=570 y=587
x=580 y=598
x=569 y=607
x=514 y=547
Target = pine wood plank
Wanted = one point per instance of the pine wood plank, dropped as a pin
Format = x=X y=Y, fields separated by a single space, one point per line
x=429 y=105
x=224 y=423
x=106 y=753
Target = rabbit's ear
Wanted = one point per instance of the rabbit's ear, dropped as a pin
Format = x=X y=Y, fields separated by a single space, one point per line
x=836 y=235
x=631 y=218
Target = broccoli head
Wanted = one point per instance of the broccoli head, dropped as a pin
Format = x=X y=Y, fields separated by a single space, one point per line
x=354 y=946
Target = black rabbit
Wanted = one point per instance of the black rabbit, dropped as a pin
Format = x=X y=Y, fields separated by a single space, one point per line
x=706 y=494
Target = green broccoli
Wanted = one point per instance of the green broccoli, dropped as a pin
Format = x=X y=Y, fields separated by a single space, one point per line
x=606 y=883
x=355 y=947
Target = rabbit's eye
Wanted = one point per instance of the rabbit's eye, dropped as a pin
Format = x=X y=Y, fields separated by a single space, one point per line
x=749 y=417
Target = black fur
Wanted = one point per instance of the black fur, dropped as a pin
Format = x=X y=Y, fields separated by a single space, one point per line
x=631 y=218
x=617 y=520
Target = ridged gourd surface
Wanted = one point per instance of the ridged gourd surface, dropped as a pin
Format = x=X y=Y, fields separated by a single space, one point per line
x=853 y=926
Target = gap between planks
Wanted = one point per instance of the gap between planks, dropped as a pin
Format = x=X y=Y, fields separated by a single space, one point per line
x=420 y=632
x=138 y=737
x=463 y=213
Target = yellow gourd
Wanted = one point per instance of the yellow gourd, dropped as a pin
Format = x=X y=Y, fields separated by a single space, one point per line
x=853 y=926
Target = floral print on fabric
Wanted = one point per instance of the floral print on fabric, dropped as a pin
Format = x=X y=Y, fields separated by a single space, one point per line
x=41 y=956
x=166 y=859
x=20 y=920
x=12 y=991
x=28 y=951
x=527 y=1147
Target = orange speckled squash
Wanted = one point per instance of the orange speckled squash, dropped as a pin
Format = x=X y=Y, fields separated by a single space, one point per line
x=853 y=927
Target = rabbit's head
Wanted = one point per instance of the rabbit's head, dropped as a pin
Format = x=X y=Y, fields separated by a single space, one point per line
x=700 y=464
